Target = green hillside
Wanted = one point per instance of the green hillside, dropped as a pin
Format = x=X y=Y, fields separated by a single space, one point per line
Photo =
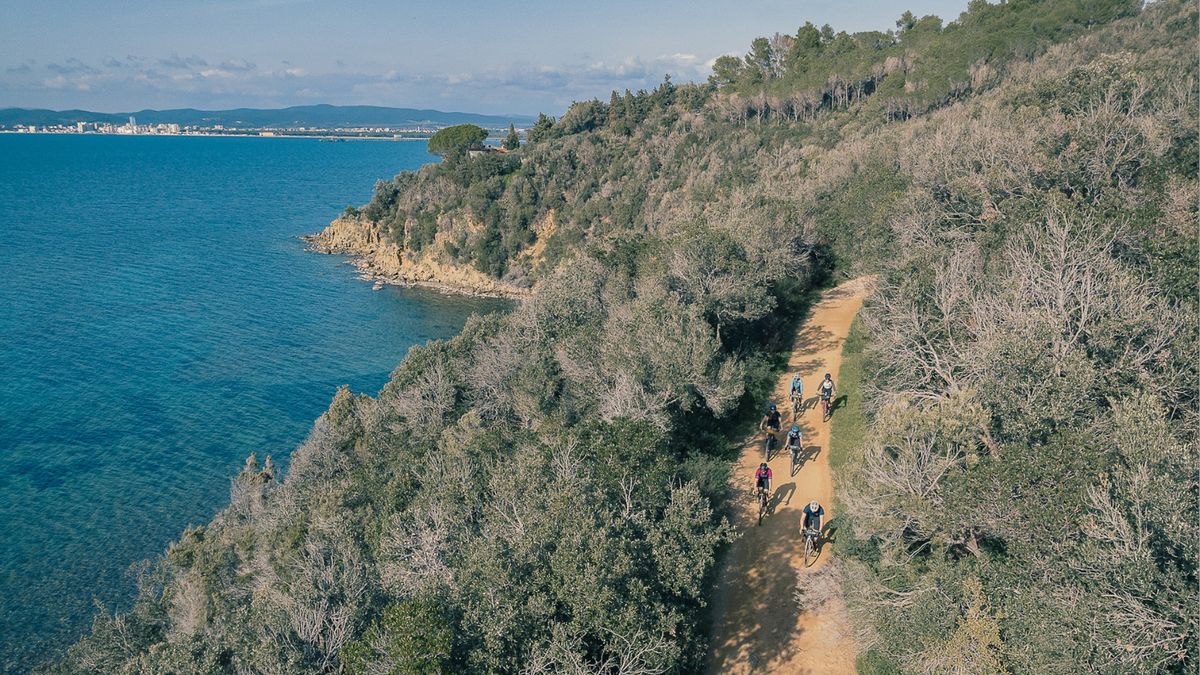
x=546 y=492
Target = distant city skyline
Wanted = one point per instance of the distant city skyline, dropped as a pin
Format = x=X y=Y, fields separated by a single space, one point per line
x=457 y=55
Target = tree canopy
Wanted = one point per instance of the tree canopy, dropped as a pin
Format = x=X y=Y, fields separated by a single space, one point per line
x=456 y=140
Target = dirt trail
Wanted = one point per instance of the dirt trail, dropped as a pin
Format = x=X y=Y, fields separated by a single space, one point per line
x=757 y=626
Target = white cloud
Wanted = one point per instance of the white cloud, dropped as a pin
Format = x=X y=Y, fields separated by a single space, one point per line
x=176 y=81
x=63 y=82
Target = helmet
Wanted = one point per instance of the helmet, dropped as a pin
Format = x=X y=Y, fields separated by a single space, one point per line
x=814 y=505
x=763 y=465
x=827 y=376
x=795 y=428
x=772 y=407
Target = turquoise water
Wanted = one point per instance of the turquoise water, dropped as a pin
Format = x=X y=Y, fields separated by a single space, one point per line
x=159 y=321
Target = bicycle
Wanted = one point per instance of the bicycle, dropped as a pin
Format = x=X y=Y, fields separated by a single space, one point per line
x=810 y=546
x=768 y=444
x=795 y=450
x=797 y=403
x=827 y=408
x=762 y=504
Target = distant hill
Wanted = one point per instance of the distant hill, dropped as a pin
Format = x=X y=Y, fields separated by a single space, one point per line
x=325 y=116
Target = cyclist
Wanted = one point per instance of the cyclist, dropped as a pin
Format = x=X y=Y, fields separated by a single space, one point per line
x=794 y=438
x=762 y=478
x=771 y=420
x=811 y=520
x=797 y=392
x=827 y=389
x=770 y=425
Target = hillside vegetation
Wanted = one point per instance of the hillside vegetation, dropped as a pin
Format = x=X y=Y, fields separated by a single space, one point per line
x=545 y=492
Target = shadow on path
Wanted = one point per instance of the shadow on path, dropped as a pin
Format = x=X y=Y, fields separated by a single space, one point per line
x=807 y=454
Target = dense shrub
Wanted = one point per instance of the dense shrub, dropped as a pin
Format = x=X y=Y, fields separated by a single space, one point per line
x=544 y=492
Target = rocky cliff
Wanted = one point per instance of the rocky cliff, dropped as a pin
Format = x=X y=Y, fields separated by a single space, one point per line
x=377 y=257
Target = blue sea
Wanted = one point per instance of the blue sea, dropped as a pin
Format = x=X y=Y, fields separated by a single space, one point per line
x=159 y=321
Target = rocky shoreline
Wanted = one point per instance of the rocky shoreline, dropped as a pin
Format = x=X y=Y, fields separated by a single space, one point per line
x=378 y=259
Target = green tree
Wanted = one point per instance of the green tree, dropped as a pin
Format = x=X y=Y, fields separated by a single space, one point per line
x=540 y=129
x=455 y=140
x=512 y=141
x=808 y=38
x=412 y=638
x=582 y=116
x=758 y=61
x=665 y=94
x=727 y=70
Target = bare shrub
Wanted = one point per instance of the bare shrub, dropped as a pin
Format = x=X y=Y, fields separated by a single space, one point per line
x=415 y=549
x=816 y=588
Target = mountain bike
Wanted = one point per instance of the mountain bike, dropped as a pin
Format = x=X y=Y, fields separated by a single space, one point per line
x=768 y=444
x=795 y=450
x=797 y=402
x=827 y=408
x=810 y=546
x=763 y=500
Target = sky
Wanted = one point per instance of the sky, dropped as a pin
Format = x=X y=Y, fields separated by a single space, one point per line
x=462 y=55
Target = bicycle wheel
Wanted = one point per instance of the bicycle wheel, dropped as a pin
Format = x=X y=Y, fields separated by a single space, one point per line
x=808 y=550
x=792 y=471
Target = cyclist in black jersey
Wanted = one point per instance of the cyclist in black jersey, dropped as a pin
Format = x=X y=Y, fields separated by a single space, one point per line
x=771 y=420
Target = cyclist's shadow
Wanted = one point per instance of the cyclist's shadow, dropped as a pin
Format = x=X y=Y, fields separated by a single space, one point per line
x=828 y=531
x=838 y=402
x=806 y=455
x=782 y=497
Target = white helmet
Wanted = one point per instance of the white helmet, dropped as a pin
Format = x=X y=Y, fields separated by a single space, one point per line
x=814 y=505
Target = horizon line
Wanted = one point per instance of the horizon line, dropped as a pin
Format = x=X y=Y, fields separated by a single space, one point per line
x=285 y=107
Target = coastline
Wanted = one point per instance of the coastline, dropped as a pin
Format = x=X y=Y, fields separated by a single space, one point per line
x=379 y=260
x=284 y=330
x=334 y=137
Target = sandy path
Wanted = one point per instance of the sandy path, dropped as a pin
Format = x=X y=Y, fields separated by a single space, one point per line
x=757 y=626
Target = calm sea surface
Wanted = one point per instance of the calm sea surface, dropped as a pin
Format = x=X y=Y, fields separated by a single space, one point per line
x=159 y=321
